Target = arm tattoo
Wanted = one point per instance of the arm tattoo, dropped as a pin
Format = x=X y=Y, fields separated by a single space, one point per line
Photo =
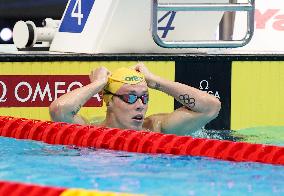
x=188 y=101
x=76 y=110
x=157 y=86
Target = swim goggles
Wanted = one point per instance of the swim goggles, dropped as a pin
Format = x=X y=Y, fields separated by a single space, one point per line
x=131 y=98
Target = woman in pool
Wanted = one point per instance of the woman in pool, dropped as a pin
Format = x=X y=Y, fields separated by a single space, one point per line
x=126 y=97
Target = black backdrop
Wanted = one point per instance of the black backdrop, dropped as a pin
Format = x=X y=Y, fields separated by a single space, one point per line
x=213 y=77
x=32 y=8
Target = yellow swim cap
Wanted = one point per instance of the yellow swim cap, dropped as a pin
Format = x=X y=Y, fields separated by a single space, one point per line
x=120 y=77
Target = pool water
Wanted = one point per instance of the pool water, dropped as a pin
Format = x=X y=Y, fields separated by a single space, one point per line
x=66 y=166
x=272 y=135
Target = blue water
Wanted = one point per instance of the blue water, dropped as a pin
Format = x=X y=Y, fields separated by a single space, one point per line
x=39 y=163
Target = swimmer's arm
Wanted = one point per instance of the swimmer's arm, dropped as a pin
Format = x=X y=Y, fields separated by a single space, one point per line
x=66 y=107
x=198 y=109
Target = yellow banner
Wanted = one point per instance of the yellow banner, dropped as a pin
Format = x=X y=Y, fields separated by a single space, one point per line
x=257 y=94
x=159 y=102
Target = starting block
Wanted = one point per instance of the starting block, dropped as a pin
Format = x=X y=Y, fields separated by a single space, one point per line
x=135 y=26
x=124 y=26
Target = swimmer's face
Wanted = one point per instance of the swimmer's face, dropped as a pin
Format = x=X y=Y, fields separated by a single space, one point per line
x=127 y=115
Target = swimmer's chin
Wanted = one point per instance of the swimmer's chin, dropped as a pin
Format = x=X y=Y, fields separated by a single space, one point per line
x=136 y=126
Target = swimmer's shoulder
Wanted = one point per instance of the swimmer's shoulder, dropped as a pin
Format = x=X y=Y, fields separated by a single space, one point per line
x=154 y=122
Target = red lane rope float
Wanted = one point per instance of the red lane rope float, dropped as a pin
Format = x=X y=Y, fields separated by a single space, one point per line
x=138 y=141
x=19 y=189
x=22 y=189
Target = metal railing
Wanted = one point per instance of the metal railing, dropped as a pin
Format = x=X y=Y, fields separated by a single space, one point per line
x=247 y=7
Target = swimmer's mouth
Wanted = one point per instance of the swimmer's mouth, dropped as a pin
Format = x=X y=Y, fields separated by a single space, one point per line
x=138 y=117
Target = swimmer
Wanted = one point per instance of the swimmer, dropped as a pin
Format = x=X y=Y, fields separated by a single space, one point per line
x=125 y=92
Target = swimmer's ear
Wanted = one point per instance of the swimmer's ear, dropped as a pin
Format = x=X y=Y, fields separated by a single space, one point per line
x=109 y=104
x=108 y=107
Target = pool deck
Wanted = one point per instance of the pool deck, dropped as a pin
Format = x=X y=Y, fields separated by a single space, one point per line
x=10 y=53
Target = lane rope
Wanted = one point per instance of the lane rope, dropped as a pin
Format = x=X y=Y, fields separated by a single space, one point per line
x=138 y=141
x=20 y=189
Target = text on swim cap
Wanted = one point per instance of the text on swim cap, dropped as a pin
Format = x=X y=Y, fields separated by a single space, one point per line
x=133 y=78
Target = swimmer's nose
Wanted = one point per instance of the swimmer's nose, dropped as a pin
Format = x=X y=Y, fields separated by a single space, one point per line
x=139 y=105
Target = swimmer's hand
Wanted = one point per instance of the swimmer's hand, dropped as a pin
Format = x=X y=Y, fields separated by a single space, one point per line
x=99 y=75
x=149 y=76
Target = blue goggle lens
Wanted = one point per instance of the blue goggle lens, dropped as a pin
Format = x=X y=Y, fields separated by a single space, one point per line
x=131 y=98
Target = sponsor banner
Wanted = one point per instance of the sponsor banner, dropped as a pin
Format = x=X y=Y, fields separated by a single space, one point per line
x=40 y=90
x=257 y=94
x=28 y=88
x=269 y=26
x=212 y=77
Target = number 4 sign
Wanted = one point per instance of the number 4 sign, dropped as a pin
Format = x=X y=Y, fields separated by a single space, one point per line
x=76 y=15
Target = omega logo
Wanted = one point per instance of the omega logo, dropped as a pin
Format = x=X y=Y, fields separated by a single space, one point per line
x=204 y=86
